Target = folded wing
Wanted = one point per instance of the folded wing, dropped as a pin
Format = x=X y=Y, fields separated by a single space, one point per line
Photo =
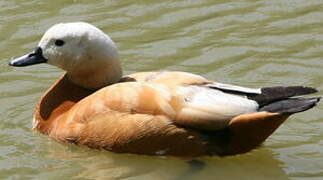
x=188 y=105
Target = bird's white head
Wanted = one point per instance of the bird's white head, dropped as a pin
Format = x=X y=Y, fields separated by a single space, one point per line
x=88 y=55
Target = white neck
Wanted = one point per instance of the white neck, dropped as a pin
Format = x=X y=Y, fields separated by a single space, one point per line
x=98 y=77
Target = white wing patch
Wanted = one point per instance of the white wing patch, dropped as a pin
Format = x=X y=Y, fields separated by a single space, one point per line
x=212 y=107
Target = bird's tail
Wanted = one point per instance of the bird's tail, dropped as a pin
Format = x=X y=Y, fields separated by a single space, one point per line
x=291 y=105
x=272 y=94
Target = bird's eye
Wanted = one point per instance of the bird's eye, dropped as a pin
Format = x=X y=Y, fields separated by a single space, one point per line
x=59 y=42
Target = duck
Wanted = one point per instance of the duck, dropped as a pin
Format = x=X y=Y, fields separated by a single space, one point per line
x=150 y=113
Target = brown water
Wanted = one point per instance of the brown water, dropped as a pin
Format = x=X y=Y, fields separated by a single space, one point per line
x=245 y=42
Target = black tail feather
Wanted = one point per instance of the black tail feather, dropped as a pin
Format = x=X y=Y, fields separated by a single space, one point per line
x=291 y=105
x=272 y=94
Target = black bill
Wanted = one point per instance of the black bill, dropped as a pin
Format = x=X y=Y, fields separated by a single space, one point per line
x=35 y=57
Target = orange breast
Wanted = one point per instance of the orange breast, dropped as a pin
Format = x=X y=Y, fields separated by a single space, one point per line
x=58 y=100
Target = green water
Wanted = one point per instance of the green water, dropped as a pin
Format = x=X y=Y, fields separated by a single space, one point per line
x=246 y=42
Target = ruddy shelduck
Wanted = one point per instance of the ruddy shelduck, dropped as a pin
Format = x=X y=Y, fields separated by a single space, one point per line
x=154 y=113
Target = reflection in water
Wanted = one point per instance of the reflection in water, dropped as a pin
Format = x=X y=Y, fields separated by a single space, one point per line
x=92 y=164
x=247 y=42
